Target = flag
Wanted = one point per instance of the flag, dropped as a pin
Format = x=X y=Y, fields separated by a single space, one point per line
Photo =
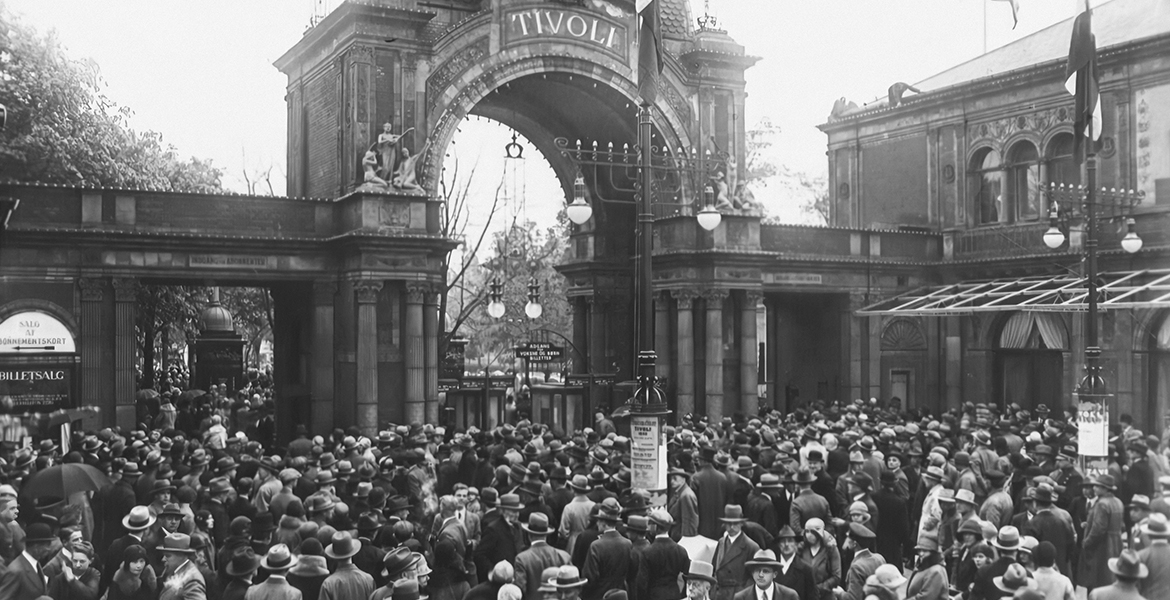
x=649 y=50
x=1081 y=81
x=1015 y=11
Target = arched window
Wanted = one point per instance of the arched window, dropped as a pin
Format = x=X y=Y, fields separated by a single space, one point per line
x=1023 y=176
x=986 y=180
x=1059 y=160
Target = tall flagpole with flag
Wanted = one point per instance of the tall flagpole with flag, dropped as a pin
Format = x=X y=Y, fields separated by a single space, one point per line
x=1081 y=80
x=650 y=59
x=649 y=50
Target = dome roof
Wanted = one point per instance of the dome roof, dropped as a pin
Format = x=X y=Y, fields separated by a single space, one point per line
x=216 y=318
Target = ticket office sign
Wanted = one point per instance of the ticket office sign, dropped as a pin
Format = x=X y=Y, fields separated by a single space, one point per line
x=41 y=387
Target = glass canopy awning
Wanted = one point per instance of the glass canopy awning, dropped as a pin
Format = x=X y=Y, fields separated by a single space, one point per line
x=1057 y=293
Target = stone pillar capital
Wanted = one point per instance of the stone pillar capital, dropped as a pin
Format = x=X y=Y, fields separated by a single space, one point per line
x=125 y=289
x=685 y=298
x=714 y=295
x=367 y=291
x=417 y=292
x=752 y=298
x=93 y=289
x=323 y=292
x=433 y=296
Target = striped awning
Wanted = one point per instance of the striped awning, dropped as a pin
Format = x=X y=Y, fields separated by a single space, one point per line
x=1066 y=292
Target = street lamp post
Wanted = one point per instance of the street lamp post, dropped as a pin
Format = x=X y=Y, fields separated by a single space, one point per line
x=1087 y=202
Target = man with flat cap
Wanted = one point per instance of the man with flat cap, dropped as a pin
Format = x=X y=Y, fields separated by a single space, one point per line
x=763 y=567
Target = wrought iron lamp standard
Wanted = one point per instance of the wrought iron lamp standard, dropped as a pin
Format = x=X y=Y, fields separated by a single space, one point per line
x=670 y=180
x=1069 y=203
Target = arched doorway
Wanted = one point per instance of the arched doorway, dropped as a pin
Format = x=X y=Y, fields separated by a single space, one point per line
x=1029 y=360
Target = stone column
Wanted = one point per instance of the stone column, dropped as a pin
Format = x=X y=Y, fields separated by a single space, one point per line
x=580 y=335
x=748 y=349
x=125 y=344
x=366 y=413
x=322 y=373
x=431 y=359
x=714 y=392
x=662 y=338
x=597 y=308
x=685 y=342
x=414 y=354
x=94 y=371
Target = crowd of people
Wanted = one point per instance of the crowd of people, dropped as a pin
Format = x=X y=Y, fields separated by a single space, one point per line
x=826 y=502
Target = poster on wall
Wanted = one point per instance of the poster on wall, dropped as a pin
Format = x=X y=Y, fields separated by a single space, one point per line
x=644 y=452
x=1152 y=140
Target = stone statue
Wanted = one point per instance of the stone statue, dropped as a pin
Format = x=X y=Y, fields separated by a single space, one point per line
x=842 y=107
x=722 y=196
x=388 y=144
x=897 y=90
x=371 y=179
x=406 y=177
x=743 y=198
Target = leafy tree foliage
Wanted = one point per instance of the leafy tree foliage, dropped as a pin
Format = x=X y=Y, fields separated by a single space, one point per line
x=761 y=170
x=62 y=128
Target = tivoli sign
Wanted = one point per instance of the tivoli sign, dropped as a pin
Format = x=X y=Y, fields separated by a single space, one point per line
x=567 y=25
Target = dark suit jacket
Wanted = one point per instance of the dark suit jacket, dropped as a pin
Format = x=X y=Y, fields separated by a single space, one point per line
x=799 y=577
x=112 y=558
x=449 y=566
x=730 y=574
x=661 y=563
x=21 y=581
x=779 y=592
x=1046 y=526
x=607 y=565
x=984 y=586
x=710 y=490
x=893 y=535
x=498 y=542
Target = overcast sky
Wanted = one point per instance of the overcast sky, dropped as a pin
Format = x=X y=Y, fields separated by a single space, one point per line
x=200 y=72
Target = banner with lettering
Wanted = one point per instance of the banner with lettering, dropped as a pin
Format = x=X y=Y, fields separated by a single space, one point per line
x=1093 y=429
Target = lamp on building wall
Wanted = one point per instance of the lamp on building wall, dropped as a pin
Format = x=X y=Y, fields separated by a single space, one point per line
x=579 y=211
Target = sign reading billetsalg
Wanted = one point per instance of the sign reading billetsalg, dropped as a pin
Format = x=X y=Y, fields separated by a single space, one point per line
x=35 y=388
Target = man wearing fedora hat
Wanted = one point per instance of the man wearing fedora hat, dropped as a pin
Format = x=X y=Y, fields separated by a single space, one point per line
x=575 y=516
x=763 y=566
x=1007 y=543
x=661 y=562
x=1047 y=526
x=1156 y=557
x=732 y=553
x=807 y=504
x=607 y=562
x=453 y=573
x=537 y=557
x=347 y=581
x=181 y=579
x=1103 y=533
x=761 y=505
x=277 y=562
x=568 y=583
x=929 y=580
x=682 y=504
x=135 y=523
x=239 y=573
x=699 y=580
x=1127 y=571
x=24 y=579
x=500 y=539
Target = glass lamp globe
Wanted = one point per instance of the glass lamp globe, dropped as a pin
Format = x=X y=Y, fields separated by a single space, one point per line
x=579 y=211
x=1054 y=237
x=709 y=218
x=533 y=310
x=1131 y=243
x=495 y=309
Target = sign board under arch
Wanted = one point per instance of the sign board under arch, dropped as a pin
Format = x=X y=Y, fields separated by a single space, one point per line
x=35 y=332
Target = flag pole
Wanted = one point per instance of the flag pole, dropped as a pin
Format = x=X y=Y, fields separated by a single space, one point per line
x=985 y=26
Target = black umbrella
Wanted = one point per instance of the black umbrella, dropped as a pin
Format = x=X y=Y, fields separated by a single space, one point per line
x=191 y=395
x=145 y=395
x=61 y=481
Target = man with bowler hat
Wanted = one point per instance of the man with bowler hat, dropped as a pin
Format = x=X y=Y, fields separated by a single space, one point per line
x=24 y=579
